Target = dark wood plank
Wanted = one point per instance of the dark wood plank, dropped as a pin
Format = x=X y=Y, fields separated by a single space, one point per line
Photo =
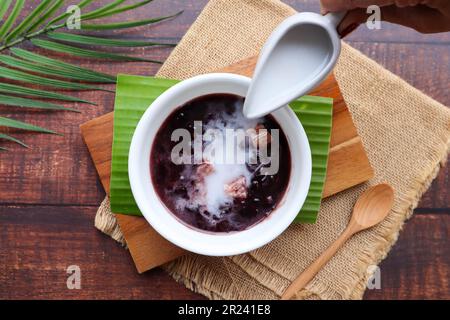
x=38 y=243
x=388 y=32
x=419 y=265
x=438 y=196
x=58 y=171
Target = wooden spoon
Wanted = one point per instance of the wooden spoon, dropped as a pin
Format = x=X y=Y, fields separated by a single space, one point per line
x=370 y=209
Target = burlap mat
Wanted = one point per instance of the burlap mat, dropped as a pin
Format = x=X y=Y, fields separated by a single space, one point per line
x=406 y=135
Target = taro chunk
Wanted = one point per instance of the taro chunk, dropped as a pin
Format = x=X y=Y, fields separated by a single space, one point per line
x=237 y=189
x=204 y=170
x=260 y=137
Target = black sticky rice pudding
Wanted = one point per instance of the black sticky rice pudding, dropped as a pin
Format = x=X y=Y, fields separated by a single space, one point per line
x=205 y=187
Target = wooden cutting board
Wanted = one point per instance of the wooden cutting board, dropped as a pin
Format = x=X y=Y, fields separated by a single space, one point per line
x=348 y=166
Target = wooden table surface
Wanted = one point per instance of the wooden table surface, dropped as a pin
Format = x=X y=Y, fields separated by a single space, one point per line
x=49 y=194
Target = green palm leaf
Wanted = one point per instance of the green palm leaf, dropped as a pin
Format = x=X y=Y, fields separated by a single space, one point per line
x=89 y=40
x=30 y=103
x=59 y=47
x=24 y=91
x=9 y=138
x=124 y=25
x=101 y=10
x=10 y=123
x=36 y=69
x=61 y=65
x=4 y=6
x=62 y=16
x=4 y=29
x=29 y=78
x=118 y=10
x=27 y=22
x=28 y=66
x=55 y=6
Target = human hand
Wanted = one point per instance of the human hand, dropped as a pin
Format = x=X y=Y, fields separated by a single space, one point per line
x=425 y=16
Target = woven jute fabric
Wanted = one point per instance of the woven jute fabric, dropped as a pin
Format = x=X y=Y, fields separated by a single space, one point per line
x=406 y=135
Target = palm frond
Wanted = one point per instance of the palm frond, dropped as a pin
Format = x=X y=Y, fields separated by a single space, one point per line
x=26 y=67
x=4 y=6
x=9 y=138
x=60 y=65
x=98 y=41
x=125 y=25
x=65 y=15
x=49 y=71
x=30 y=103
x=10 y=123
x=115 y=11
x=28 y=21
x=24 y=91
x=55 y=6
x=37 y=80
x=101 y=10
x=63 y=48
x=4 y=29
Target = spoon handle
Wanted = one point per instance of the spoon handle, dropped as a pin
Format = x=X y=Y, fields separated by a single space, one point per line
x=306 y=276
x=336 y=17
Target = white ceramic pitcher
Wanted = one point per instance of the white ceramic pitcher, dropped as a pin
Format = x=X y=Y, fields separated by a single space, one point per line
x=296 y=58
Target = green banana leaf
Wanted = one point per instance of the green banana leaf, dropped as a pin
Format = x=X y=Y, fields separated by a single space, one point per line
x=135 y=93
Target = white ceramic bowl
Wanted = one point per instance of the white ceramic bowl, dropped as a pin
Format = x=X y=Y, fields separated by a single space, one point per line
x=165 y=222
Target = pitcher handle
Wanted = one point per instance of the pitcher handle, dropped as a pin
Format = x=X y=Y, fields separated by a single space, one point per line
x=336 y=17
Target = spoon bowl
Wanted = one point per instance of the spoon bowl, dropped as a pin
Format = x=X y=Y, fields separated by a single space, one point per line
x=373 y=206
